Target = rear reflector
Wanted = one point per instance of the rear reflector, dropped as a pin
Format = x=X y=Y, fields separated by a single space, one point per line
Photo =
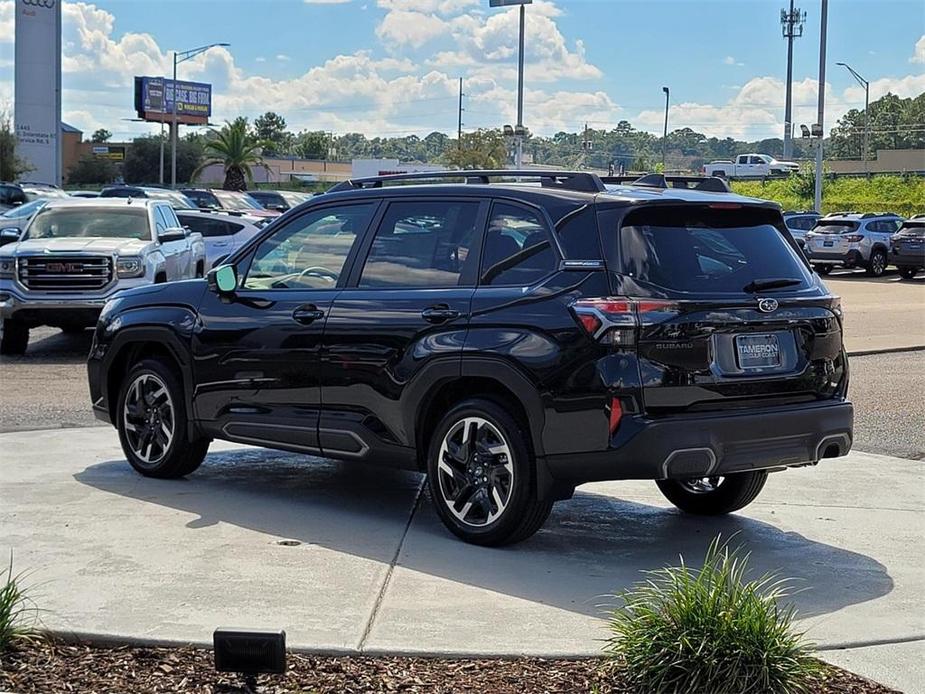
x=589 y=322
x=616 y=414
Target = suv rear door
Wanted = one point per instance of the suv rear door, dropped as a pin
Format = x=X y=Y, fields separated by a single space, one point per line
x=405 y=310
x=709 y=336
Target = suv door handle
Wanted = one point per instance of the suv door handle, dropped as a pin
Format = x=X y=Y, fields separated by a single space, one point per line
x=307 y=314
x=439 y=314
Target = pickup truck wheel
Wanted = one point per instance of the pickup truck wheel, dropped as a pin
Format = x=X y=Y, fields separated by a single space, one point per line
x=152 y=423
x=877 y=263
x=906 y=272
x=14 y=337
x=714 y=496
x=480 y=474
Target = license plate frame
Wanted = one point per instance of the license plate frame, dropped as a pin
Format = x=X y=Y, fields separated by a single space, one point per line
x=758 y=352
x=828 y=243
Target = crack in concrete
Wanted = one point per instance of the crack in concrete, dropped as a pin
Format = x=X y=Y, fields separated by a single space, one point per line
x=361 y=646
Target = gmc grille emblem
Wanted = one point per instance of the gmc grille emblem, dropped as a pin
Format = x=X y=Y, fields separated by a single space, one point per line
x=69 y=268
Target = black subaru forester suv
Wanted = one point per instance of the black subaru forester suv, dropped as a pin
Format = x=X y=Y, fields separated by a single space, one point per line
x=510 y=338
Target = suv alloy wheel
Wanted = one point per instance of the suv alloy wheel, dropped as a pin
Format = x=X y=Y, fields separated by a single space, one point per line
x=480 y=474
x=152 y=423
x=877 y=264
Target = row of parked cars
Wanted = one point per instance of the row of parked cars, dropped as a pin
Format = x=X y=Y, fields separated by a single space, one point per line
x=872 y=241
x=62 y=256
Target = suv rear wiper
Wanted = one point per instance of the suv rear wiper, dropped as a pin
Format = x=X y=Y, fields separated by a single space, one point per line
x=758 y=285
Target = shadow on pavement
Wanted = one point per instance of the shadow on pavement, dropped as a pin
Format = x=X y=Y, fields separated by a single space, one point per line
x=592 y=546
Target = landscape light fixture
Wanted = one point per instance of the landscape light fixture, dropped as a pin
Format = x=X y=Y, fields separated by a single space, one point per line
x=249 y=653
x=519 y=130
x=179 y=57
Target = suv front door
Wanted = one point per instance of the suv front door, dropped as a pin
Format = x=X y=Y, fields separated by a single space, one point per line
x=405 y=309
x=257 y=356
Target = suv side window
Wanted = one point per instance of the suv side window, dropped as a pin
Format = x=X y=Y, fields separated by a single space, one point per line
x=517 y=250
x=421 y=244
x=211 y=228
x=170 y=217
x=160 y=222
x=310 y=251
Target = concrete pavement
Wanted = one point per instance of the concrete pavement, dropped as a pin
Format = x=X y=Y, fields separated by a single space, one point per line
x=350 y=558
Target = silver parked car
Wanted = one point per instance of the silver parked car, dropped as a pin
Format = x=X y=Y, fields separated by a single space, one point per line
x=851 y=239
x=222 y=233
x=798 y=223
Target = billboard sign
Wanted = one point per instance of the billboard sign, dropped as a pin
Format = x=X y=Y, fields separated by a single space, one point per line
x=154 y=99
x=37 y=76
x=112 y=152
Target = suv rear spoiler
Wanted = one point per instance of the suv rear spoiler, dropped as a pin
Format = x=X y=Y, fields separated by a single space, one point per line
x=710 y=184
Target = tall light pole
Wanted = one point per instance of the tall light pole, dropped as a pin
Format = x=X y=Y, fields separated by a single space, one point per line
x=665 y=134
x=791 y=23
x=519 y=129
x=864 y=83
x=179 y=57
x=819 y=126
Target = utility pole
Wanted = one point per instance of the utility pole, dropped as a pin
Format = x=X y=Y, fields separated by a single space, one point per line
x=665 y=134
x=864 y=83
x=460 y=123
x=520 y=95
x=820 y=116
x=792 y=26
x=585 y=147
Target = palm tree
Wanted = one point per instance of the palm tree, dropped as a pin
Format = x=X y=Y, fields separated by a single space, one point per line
x=237 y=150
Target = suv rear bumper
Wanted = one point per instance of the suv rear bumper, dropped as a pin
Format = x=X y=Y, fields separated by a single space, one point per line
x=684 y=446
x=852 y=258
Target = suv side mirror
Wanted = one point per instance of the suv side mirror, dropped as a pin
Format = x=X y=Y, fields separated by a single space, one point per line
x=223 y=279
x=176 y=234
x=10 y=235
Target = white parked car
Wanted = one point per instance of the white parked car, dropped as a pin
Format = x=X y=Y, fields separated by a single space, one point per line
x=222 y=233
x=74 y=255
x=750 y=166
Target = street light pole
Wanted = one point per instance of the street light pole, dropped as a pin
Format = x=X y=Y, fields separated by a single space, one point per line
x=820 y=115
x=179 y=57
x=864 y=83
x=665 y=134
x=520 y=93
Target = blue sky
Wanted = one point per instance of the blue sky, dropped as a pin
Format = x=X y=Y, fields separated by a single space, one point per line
x=390 y=67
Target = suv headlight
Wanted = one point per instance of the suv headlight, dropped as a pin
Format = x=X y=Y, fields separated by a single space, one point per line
x=130 y=267
x=7 y=268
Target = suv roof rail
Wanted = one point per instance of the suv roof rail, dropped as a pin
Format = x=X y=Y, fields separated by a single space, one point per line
x=710 y=184
x=580 y=181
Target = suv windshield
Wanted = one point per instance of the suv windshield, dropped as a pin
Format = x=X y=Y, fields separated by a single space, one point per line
x=702 y=251
x=236 y=201
x=840 y=227
x=25 y=211
x=90 y=222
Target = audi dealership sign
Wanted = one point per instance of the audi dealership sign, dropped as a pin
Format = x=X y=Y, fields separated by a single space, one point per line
x=37 y=75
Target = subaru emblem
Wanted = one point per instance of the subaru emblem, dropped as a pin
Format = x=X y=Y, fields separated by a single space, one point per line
x=767 y=305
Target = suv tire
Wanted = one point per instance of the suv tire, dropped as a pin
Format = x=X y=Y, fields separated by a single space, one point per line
x=503 y=508
x=14 y=337
x=152 y=421
x=907 y=272
x=714 y=496
x=876 y=266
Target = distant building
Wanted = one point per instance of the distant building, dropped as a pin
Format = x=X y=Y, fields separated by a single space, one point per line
x=364 y=168
x=887 y=161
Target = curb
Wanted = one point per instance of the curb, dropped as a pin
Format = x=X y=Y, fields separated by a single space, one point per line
x=888 y=350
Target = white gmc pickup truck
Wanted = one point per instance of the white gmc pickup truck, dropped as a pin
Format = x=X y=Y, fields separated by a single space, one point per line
x=750 y=166
x=75 y=255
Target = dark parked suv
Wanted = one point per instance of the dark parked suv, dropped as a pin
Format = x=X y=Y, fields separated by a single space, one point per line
x=511 y=339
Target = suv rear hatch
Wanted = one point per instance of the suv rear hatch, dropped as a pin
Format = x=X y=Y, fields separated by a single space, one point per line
x=832 y=237
x=727 y=313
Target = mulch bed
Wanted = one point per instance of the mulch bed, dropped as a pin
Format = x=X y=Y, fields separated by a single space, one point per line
x=48 y=668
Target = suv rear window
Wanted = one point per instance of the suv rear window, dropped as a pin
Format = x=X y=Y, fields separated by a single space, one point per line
x=841 y=227
x=704 y=251
x=915 y=229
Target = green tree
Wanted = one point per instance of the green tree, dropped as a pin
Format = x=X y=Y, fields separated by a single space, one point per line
x=142 y=159
x=101 y=135
x=311 y=145
x=271 y=129
x=237 y=150
x=483 y=149
x=91 y=169
x=12 y=166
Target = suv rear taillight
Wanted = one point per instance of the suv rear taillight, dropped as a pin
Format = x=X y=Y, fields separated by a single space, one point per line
x=854 y=238
x=613 y=320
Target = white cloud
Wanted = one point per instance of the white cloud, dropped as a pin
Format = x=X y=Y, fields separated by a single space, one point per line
x=283 y=57
x=403 y=27
x=918 y=53
x=729 y=60
x=6 y=21
x=260 y=59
